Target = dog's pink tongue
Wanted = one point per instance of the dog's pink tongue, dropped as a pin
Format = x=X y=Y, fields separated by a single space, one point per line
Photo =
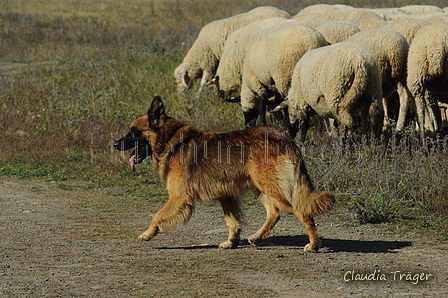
x=132 y=162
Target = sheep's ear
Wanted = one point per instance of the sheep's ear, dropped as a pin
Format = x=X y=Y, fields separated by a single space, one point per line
x=213 y=82
x=156 y=112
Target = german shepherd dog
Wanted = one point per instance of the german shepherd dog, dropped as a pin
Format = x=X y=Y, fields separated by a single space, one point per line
x=199 y=165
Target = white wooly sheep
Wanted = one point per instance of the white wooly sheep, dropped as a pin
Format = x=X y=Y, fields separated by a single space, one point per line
x=407 y=27
x=393 y=12
x=440 y=18
x=232 y=38
x=203 y=57
x=229 y=73
x=315 y=9
x=337 y=31
x=421 y=8
x=368 y=24
x=268 y=67
x=428 y=75
x=339 y=82
x=274 y=10
x=349 y=15
x=311 y=23
x=390 y=49
x=427 y=15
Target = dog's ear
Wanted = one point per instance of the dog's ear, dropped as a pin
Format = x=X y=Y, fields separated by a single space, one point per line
x=156 y=113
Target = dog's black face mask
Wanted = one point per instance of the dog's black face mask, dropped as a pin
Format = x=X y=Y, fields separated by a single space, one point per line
x=134 y=140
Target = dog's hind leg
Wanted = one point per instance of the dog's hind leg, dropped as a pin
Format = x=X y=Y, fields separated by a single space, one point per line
x=308 y=222
x=272 y=217
x=176 y=210
x=233 y=217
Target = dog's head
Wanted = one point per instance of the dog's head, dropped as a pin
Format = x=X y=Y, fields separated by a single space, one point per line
x=139 y=135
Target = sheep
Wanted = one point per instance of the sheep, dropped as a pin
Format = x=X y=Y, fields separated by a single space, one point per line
x=427 y=15
x=316 y=9
x=407 y=27
x=203 y=57
x=337 y=31
x=349 y=15
x=393 y=12
x=268 y=67
x=439 y=18
x=273 y=10
x=390 y=49
x=413 y=9
x=428 y=77
x=229 y=73
x=311 y=23
x=232 y=38
x=367 y=24
x=339 y=81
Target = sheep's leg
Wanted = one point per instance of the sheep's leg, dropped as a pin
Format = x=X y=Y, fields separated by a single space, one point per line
x=286 y=123
x=388 y=90
x=377 y=119
x=364 y=120
x=346 y=127
x=294 y=120
x=262 y=110
x=434 y=112
x=304 y=128
x=386 y=119
x=250 y=117
x=403 y=95
x=233 y=217
x=207 y=77
x=272 y=217
x=249 y=105
x=421 y=113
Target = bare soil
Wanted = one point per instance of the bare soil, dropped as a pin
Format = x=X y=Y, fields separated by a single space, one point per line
x=68 y=240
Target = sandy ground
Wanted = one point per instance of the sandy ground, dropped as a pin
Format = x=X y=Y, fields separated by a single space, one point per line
x=73 y=241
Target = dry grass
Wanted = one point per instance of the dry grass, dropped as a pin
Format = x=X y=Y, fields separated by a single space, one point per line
x=73 y=74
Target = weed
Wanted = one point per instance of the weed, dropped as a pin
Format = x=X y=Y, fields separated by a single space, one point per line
x=380 y=208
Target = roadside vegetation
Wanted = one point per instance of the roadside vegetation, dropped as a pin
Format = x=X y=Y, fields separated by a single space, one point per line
x=74 y=74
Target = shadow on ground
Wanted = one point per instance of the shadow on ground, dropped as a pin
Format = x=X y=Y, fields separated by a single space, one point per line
x=327 y=245
x=340 y=245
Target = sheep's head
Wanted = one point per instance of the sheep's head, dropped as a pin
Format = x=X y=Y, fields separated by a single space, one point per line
x=226 y=95
x=183 y=80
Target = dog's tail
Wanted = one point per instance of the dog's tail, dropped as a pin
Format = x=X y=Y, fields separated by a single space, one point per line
x=306 y=201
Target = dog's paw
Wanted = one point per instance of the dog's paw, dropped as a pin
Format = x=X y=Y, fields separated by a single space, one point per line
x=144 y=237
x=228 y=245
x=255 y=241
x=310 y=248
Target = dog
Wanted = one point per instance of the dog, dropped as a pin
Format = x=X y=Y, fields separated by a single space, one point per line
x=199 y=166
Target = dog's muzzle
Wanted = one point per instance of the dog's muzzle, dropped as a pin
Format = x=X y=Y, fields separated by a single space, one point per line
x=142 y=148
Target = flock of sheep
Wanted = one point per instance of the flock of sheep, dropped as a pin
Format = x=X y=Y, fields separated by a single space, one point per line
x=346 y=64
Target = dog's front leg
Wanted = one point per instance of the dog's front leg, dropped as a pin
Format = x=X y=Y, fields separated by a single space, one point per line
x=176 y=210
x=232 y=213
x=150 y=232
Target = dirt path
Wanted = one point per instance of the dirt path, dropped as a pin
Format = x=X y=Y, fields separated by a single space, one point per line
x=69 y=241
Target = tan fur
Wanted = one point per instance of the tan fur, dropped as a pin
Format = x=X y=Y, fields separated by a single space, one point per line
x=198 y=165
